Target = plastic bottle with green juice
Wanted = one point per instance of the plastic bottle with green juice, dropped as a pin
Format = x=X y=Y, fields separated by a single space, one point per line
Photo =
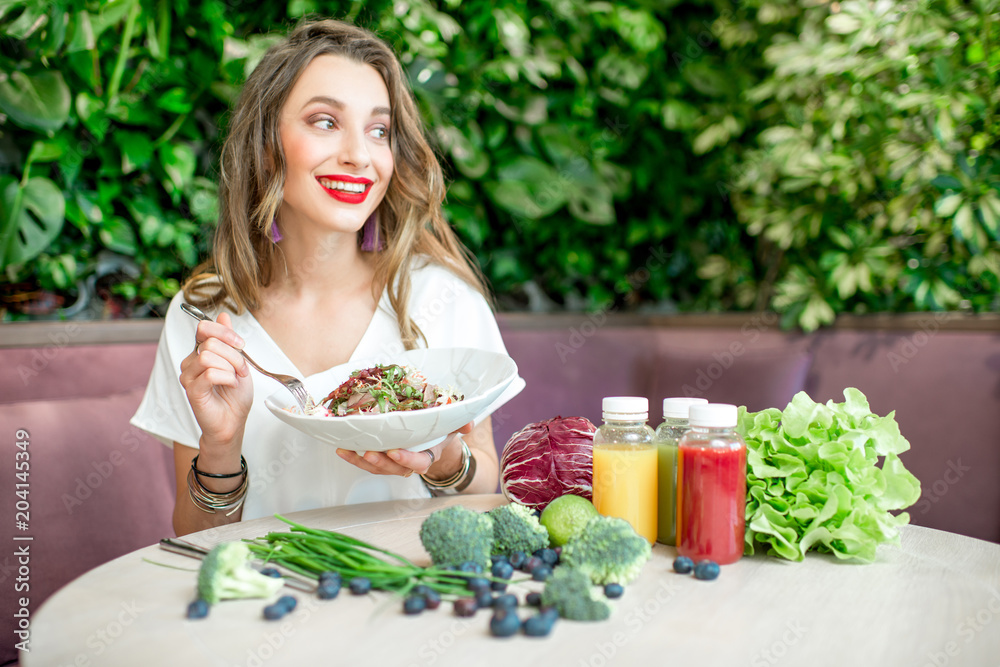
x=675 y=424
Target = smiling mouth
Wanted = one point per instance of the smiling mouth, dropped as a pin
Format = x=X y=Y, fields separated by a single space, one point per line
x=344 y=186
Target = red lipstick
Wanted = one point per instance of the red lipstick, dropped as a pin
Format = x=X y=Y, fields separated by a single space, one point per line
x=342 y=195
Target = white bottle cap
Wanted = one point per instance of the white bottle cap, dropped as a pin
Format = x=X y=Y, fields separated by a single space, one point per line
x=625 y=407
x=677 y=408
x=713 y=414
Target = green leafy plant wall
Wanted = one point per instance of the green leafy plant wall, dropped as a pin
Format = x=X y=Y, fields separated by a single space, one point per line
x=875 y=171
x=813 y=158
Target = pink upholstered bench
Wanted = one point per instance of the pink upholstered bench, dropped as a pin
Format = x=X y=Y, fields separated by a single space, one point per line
x=97 y=487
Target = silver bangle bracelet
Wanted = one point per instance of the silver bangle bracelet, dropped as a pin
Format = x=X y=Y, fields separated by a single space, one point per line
x=210 y=502
x=457 y=482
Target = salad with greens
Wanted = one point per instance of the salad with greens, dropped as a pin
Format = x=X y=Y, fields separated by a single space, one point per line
x=814 y=480
x=381 y=389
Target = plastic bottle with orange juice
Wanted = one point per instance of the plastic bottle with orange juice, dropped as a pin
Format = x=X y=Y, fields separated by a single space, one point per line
x=625 y=464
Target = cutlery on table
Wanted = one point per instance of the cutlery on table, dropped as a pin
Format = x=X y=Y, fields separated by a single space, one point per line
x=184 y=548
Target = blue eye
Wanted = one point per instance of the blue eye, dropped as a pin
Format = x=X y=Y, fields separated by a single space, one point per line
x=325 y=123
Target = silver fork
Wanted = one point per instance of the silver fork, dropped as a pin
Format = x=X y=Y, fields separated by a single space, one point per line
x=292 y=384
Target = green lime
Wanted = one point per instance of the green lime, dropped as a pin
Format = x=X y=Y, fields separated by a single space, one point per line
x=565 y=517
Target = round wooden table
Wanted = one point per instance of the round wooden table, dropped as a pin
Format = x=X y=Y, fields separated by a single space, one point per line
x=934 y=600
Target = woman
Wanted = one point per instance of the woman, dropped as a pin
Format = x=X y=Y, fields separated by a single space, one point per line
x=331 y=246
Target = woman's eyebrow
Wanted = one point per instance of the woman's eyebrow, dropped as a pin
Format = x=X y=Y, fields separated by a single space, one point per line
x=337 y=104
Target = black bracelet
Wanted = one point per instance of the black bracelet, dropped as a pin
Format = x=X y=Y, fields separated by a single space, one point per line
x=215 y=475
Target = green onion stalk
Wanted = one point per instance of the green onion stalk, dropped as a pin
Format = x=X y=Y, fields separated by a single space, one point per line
x=312 y=551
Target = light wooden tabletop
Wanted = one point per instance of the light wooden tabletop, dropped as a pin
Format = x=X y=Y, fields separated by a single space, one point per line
x=934 y=600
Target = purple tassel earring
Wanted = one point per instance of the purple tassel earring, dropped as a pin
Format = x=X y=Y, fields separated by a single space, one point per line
x=275 y=232
x=371 y=240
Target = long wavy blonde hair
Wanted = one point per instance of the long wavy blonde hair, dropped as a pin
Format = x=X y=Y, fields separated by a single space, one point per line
x=410 y=220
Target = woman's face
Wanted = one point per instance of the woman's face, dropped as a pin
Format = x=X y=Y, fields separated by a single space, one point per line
x=335 y=134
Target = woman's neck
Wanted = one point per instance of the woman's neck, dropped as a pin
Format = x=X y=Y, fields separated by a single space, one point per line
x=320 y=301
x=324 y=265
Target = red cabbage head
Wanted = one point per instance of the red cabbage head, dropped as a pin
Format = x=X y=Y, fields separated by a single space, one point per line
x=548 y=459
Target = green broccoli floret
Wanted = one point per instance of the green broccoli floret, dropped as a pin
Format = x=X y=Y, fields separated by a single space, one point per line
x=226 y=574
x=608 y=550
x=569 y=590
x=516 y=528
x=456 y=535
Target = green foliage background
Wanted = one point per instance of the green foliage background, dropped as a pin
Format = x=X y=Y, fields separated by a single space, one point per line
x=811 y=157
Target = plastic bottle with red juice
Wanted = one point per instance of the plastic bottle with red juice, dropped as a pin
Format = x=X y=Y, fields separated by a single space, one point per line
x=711 y=486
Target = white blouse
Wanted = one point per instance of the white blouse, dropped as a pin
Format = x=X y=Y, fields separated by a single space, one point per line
x=290 y=471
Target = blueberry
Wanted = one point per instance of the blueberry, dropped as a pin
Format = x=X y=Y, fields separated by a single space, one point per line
x=274 y=612
x=613 y=590
x=331 y=576
x=433 y=599
x=533 y=599
x=517 y=559
x=469 y=566
x=414 y=604
x=505 y=601
x=683 y=565
x=502 y=570
x=270 y=572
x=539 y=625
x=477 y=583
x=541 y=573
x=422 y=589
x=532 y=563
x=197 y=609
x=550 y=613
x=548 y=556
x=328 y=590
x=288 y=602
x=499 y=558
x=706 y=570
x=504 y=623
x=360 y=585
x=498 y=586
x=484 y=598
x=465 y=607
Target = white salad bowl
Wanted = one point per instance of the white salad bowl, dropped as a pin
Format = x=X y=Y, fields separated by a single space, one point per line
x=486 y=379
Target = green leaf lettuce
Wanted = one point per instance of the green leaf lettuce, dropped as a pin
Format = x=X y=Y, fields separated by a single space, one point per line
x=814 y=481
